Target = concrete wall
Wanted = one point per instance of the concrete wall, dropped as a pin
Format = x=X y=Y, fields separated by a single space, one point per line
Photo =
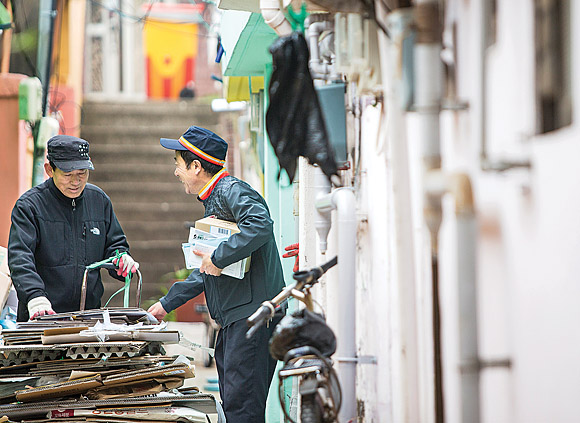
x=528 y=233
x=528 y=241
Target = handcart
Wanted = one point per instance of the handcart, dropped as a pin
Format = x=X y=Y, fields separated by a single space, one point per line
x=110 y=266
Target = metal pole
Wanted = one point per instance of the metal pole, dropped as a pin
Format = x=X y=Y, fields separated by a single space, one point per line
x=47 y=14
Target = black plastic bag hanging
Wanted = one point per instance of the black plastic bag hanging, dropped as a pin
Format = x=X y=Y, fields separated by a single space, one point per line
x=294 y=119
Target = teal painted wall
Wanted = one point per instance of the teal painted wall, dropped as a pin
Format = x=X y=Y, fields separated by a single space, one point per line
x=279 y=195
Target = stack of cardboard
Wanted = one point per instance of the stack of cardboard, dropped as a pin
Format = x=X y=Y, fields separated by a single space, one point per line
x=97 y=365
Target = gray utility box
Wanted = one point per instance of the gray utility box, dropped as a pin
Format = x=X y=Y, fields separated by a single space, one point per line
x=331 y=98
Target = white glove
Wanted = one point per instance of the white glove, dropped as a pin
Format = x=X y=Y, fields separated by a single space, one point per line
x=39 y=306
x=127 y=264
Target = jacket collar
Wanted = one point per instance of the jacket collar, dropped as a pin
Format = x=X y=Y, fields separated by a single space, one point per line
x=208 y=188
x=60 y=196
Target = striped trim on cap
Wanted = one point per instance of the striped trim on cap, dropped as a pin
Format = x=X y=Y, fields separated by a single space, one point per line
x=200 y=153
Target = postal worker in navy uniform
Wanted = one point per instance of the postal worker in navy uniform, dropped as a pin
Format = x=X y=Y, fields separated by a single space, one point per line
x=58 y=228
x=245 y=367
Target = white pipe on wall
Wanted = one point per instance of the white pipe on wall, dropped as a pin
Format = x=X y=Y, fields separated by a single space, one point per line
x=318 y=68
x=468 y=331
x=407 y=404
x=322 y=220
x=460 y=187
x=307 y=213
x=428 y=95
x=343 y=201
x=437 y=184
x=274 y=17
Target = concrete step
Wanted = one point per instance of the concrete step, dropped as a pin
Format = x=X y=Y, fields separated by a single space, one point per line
x=154 y=251
x=121 y=171
x=146 y=134
x=130 y=114
x=179 y=121
x=164 y=230
x=154 y=211
x=168 y=192
x=134 y=136
x=129 y=153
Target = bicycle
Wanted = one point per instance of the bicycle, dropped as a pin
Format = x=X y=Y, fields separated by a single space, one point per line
x=305 y=343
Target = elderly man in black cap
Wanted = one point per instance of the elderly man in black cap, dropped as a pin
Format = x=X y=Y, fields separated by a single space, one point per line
x=58 y=228
x=245 y=367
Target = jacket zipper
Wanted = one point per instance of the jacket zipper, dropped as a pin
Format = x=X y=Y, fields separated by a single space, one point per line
x=74 y=239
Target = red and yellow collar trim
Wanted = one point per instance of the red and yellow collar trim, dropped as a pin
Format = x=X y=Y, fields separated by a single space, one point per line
x=208 y=188
x=200 y=153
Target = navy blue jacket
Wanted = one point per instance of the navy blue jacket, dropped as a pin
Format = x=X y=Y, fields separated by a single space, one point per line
x=231 y=299
x=53 y=238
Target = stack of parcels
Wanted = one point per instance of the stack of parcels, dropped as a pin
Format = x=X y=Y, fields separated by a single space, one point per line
x=97 y=365
x=206 y=236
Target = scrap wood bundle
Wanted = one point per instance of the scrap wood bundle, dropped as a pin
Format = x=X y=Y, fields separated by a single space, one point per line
x=87 y=360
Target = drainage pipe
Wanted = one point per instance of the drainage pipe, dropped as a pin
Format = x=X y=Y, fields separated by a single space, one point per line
x=322 y=221
x=319 y=69
x=467 y=294
x=274 y=17
x=406 y=385
x=459 y=185
x=343 y=201
x=428 y=95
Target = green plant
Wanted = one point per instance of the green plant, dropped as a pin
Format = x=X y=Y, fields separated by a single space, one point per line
x=176 y=275
x=171 y=316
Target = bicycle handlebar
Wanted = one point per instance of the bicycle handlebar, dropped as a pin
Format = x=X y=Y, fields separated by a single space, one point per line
x=268 y=308
x=265 y=311
x=308 y=276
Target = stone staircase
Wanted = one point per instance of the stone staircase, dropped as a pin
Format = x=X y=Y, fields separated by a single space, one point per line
x=137 y=173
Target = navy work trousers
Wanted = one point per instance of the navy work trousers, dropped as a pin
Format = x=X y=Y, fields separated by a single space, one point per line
x=245 y=369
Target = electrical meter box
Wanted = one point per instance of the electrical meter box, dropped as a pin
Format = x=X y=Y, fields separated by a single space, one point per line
x=30 y=99
x=331 y=98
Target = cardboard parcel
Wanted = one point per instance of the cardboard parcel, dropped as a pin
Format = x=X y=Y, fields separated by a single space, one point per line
x=206 y=236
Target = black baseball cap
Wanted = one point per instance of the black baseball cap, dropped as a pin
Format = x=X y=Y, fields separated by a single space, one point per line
x=201 y=142
x=69 y=153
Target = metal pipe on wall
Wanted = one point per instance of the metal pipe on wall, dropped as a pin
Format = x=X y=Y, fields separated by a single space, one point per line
x=467 y=297
x=406 y=382
x=428 y=96
x=343 y=201
x=437 y=184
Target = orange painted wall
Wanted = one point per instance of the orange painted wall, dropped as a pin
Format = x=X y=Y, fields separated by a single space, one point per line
x=15 y=152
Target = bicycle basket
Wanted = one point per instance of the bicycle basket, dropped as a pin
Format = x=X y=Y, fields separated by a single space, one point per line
x=299 y=329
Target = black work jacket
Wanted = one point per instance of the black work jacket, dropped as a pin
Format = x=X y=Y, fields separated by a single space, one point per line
x=230 y=299
x=53 y=238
